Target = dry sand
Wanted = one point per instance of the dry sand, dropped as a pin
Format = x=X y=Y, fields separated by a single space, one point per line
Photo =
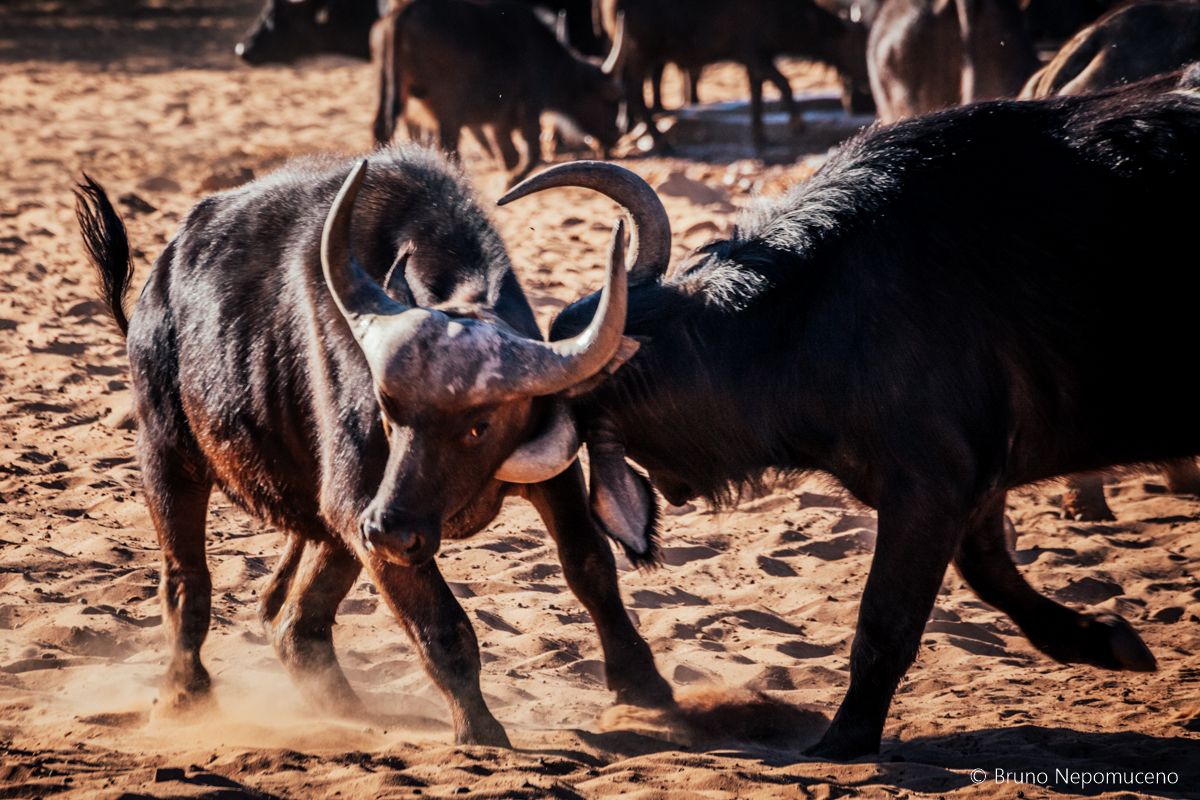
x=761 y=599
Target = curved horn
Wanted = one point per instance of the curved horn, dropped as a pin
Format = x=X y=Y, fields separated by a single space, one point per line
x=615 y=56
x=651 y=227
x=358 y=297
x=545 y=456
x=541 y=368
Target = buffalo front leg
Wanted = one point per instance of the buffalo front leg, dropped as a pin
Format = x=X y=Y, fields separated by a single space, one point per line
x=301 y=629
x=917 y=538
x=442 y=634
x=591 y=573
x=1102 y=640
x=177 y=496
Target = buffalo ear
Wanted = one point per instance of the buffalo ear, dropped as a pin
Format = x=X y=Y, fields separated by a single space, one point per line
x=625 y=351
x=623 y=503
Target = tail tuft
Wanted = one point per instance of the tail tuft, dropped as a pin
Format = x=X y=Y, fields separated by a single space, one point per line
x=107 y=245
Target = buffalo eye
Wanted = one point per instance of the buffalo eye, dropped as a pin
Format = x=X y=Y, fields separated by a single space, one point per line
x=477 y=431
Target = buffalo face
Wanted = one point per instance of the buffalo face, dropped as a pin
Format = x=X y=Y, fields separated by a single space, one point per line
x=285 y=31
x=467 y=402
x=622 y=499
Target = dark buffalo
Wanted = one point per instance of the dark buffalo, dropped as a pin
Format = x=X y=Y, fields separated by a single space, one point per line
x=1128 y=45
x=929 y=372
x=289 y=30
x=473 y=64
x=750 y=32
x=927 y=55
x=268 y=360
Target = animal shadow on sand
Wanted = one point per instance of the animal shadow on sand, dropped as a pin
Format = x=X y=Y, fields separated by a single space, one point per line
x=747 y=724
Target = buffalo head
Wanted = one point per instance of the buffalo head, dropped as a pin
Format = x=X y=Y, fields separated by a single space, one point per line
x=458 y=392
x=622 y=499
x=288 y=30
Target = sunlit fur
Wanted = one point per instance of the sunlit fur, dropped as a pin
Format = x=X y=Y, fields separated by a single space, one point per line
x=956 y=273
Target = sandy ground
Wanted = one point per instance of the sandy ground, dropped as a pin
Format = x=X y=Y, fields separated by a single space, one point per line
x=761 y=599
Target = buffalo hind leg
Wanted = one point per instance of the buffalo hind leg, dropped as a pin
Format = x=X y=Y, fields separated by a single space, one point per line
x=442 y=634
x=449 y=133
x=1066 y=635
x=1083 y=498
x=177 y=496
x=917 y=539
x=301 y=627
x=280 y=583
x=531 y=132
x=758 y=135
x=591 y=573
x=767 y=67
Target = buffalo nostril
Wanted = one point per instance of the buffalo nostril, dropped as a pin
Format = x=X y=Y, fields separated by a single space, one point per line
x=369 y=530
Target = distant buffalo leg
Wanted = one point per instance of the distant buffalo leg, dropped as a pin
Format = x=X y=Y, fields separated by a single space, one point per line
x=1083 y=499
x=531 y=132
x=302 y=629
x=588 y=566
x=442 y=633
x=917 y=539
x=776 y=77
x=1103 y=640
x=656 y=80
x=177 y=496
x=758 y=136
x=448 y=136
x=1182 y=476
x=633 y=78
x=508 y=151
x=692 y=75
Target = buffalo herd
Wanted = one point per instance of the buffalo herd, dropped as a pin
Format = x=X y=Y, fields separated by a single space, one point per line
x=344 y=350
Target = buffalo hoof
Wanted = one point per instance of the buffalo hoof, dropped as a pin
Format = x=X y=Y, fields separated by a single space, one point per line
x=486 y=732
x=183 y=704
x=653 y=693
x=1117 y=645
x=841 y=744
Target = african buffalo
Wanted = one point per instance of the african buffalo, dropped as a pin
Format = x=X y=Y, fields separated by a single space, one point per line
x=288 y=30
x=927 y=55
x=929 y=372
x=1127 y=45
x=367 y=423
x=750 y=32
x=473 y=64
